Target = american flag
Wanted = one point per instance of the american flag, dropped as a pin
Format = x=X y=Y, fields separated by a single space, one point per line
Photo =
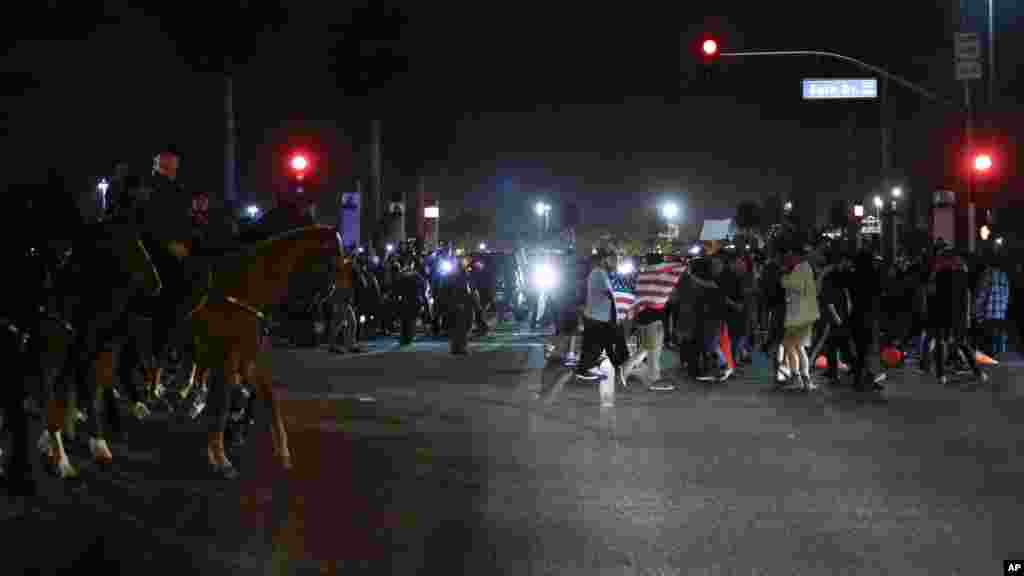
x=654 y=285
x=624 y=288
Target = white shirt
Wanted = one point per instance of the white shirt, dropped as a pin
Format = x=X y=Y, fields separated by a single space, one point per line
x=599 y=302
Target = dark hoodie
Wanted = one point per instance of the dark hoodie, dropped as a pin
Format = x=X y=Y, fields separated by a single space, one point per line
x=865 y=288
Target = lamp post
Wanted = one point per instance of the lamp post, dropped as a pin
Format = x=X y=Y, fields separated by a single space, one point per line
x=889 y=229
x=102 y=187
x=543 y=211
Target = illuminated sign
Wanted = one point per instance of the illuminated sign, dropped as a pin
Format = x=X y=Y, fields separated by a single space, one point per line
x=840 y=89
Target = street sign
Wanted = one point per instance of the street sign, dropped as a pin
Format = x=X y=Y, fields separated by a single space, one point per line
x=840 y=89
x=968 y=56
x=871 y=225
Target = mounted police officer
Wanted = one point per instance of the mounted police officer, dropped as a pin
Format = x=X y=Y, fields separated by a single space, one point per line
x=167 y=234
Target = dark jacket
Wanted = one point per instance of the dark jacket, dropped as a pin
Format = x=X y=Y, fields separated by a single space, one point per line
x=167 y=215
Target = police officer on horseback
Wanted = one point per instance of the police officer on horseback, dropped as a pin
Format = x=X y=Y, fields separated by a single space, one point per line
x=167 y=234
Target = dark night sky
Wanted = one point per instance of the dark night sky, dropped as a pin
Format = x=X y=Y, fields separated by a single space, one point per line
x=607 y=107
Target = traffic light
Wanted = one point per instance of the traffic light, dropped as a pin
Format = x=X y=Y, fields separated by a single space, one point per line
x=982 y=163
x=299 y=166
x=709 y=47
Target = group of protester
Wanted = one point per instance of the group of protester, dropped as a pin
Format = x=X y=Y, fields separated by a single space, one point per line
x=792 y=307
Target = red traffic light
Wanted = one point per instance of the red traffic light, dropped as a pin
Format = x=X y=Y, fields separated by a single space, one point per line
x=299 y=163
x=982 y=163
x=709 y=47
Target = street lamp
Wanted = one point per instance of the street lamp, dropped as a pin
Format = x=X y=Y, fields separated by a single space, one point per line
x=858 y=210
x=788 y=206
x=878 y=205
x=670 y=210
x=102 y=186
x=252 y=210
x=543 y=211
x=483 y=246
x=897 y=192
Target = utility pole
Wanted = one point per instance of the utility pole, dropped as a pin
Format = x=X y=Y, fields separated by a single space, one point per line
x=969 y=143
x=991 y=55
x=230 y=146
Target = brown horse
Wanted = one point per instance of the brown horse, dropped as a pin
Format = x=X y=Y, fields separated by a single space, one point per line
x=109 y=267
x=227 y=321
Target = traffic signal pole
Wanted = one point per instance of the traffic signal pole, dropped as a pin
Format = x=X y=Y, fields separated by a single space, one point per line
x=913 y=87
x=969 y=143
x=916 y=88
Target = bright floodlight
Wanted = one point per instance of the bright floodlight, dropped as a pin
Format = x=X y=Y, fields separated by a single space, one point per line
x=299 y=163
x=252 y=210
x=788 y=207
x=483 y=246
x=878 y=202
x=544 y=276
x=103 y=185
x=390 y=248
x=982 y=162
x=694 y=250
x=985 y=232
x=858 y=210
x=710 y=47
x=999 y=241
x=897 y=192
x=670 y=210
x=541 y=208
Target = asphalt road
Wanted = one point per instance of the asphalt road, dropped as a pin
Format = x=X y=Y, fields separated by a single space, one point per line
x=414 y=461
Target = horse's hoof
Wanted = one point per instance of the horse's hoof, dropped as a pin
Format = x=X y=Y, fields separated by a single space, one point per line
x=226 y=471
x=140 y=411
x=43 y=444
x=63 y=469
x=100 y=452
x=285 y=460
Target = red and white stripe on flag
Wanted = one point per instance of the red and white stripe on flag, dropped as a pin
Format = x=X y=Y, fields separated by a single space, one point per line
x=654 y=285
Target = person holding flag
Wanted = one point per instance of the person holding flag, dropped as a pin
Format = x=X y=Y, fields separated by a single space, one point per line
x=654 y=286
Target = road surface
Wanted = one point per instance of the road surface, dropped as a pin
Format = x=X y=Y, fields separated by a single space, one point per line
x=414 y=461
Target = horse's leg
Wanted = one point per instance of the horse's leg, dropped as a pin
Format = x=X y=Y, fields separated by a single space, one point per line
x=218 y=402
x=261 y=379
x=127 y=360
x=61 y=404
x=103 y=379
x=19 y=477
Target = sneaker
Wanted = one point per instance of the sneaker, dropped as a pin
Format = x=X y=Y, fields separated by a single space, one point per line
x=794 y=385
